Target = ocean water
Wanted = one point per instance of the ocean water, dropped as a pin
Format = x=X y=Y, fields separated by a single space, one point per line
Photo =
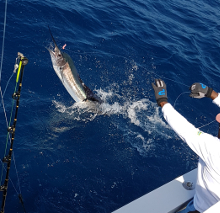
x=71 y=160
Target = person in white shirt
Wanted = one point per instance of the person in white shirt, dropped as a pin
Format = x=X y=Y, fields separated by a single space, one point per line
x=206 y=146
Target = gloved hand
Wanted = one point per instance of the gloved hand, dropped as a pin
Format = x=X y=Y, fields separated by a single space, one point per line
x=160 y=91
x=199 y=90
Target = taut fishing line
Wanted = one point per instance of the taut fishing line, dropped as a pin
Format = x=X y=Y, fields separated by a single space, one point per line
x=3 y=40
x=161 y=77
x=179 y=96
x=7 y=84
x=7 y=158
x=137 y=63
x=2 y=56
x=11 y=130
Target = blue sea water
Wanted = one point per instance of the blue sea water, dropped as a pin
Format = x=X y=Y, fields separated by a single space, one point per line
x=71 y=160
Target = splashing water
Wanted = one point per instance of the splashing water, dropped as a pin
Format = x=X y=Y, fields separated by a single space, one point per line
x=142 y=120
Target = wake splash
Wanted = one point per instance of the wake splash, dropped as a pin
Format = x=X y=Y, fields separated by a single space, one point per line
x=141 y=123
x=139 y=120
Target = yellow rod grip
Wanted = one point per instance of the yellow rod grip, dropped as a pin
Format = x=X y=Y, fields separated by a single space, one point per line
x=19 y=69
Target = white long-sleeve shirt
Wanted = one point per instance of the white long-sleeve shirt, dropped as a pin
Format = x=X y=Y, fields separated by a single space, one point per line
x=207 y=147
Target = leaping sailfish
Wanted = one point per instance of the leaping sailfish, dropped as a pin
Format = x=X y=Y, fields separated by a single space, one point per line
x=66 y=71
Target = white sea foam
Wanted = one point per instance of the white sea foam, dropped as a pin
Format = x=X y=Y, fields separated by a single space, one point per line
x=141 y=123
x=142 y=113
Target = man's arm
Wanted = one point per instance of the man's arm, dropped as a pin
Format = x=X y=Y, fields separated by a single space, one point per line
x=204 y=145
x=213 y=96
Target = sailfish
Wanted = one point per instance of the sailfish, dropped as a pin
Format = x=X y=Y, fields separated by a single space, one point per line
x=67 y=73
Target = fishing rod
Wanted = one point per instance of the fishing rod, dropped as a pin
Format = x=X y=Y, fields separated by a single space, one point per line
x=11 y=129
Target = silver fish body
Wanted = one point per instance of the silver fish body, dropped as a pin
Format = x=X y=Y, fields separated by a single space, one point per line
x=66 y=71
x=69 y=76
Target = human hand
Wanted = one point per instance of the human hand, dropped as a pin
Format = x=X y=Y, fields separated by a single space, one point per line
x=160 y=91
x=199 y=90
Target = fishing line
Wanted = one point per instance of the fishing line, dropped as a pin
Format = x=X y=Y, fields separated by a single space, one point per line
x=161 y=77
x=11 y=180
x=178 y=98
x=11 y=130
x=3 y=39
x=168 y=79
x=3 y=105
x=8 y=123
x=19 y=187
x=188 y=93
x=206 y=124
x=19 y=194
x=2 y=95
x=2 y=56
x=7 y=84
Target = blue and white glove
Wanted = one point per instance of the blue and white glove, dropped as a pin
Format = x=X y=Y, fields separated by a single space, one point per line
x=160 y=91
x=199 y=90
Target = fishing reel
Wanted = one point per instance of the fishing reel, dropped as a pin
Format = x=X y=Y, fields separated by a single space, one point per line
x=2 y=188
x=16 y=95
x=23 y=59
x=6 y=159
x=11 y=129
